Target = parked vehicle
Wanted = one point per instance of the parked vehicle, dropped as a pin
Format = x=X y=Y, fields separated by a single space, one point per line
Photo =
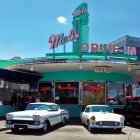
x=37 y=116
x=136 y=98
x=131 y=111
x=98 y=116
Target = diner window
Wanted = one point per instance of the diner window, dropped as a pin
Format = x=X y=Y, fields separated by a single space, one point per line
x=115 y=93
x=45 y=90
x=128 y=92
x=66 y=92
x=93 y=93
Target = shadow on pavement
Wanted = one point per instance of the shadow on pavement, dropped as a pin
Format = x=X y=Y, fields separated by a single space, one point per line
x=38 y=133
x=133 y=125
x=105 y=131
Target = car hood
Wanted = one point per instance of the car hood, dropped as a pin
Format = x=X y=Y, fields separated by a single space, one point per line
x=28 y=114
x=105 y=116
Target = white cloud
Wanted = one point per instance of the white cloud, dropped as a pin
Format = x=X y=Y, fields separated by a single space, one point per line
x=62 y=20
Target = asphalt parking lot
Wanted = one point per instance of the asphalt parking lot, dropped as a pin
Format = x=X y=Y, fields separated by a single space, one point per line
x=72 y=131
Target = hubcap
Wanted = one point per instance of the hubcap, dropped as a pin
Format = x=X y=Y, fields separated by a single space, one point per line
x=45 y=127
x=64 y=120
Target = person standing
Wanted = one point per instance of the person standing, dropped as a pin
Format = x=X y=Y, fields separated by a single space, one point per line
x=37 y=99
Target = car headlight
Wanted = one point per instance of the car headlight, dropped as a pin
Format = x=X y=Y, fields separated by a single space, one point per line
x=93 y=118
x=122 y=119
x=9 y=116
x=36 y=117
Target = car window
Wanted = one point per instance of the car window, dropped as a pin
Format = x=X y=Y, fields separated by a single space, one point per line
x=99 y=109
x=44 y=107
x=38 y=107
x=55 y=108
x=87 y=109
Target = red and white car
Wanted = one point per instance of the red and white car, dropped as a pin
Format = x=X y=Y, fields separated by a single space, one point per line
x=39 y=115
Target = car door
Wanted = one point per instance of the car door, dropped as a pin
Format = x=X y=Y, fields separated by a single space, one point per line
x=47 y=115
x=56 y=114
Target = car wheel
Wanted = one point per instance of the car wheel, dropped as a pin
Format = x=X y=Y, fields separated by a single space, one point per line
x=14 y=130
x=45 y=127
x=89 y=128
x=64 y=121
x=119 y=130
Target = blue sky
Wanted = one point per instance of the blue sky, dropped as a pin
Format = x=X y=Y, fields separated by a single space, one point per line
x=26 y=25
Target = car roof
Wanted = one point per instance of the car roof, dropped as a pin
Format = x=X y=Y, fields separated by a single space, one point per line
x=95 y=105
x=45 y=103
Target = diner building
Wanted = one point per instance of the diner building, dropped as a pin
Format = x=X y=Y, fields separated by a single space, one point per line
x=75 y=73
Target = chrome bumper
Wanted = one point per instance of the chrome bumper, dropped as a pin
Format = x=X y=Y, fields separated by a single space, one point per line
x=24 y=126
x=105 y=126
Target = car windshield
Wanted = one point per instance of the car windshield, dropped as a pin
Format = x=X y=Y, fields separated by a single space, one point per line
x=38 y=107
x=99 y=109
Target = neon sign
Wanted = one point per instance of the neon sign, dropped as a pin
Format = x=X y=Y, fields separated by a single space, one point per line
x=67 y=88
x=111 y=49
x=91 y=88
x=45 y=88
x=79 y=12
x=60 y=39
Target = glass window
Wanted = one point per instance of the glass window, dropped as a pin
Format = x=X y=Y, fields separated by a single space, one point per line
x=98 y=109
x=66 y=92
x=93 y=93
x=87 y=109
x=115 y=93
x=45 y=90
x=38 y=107
x=55 y=108
x=128 y=92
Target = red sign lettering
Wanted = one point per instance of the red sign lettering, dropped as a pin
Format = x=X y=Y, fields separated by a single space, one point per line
x=45 y=88
x=94 y=48
x=66 y=88
x=60 y=39
x=132 y=51
x=110 y=49
x=79 y=12
x=84 y=48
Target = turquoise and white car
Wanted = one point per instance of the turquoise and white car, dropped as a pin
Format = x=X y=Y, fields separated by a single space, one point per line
x=37 y=116
x=98 y=116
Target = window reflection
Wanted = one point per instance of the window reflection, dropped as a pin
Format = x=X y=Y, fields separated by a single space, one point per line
x=93 y=93
x=66 y=92
x=115 y=93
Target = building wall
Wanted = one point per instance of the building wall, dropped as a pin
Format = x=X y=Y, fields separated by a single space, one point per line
x=85 y=76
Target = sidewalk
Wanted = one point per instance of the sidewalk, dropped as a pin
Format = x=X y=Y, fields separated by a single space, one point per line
x=2 y=125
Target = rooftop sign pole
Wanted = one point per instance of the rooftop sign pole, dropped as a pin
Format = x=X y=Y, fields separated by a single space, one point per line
x=80 y=24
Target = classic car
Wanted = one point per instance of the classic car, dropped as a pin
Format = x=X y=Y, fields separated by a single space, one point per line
x=39 y=115
x=131 y=112
x=98 y=116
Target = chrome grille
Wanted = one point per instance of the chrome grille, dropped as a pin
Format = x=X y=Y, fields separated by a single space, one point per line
x=107 y=123
x=22 y=122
